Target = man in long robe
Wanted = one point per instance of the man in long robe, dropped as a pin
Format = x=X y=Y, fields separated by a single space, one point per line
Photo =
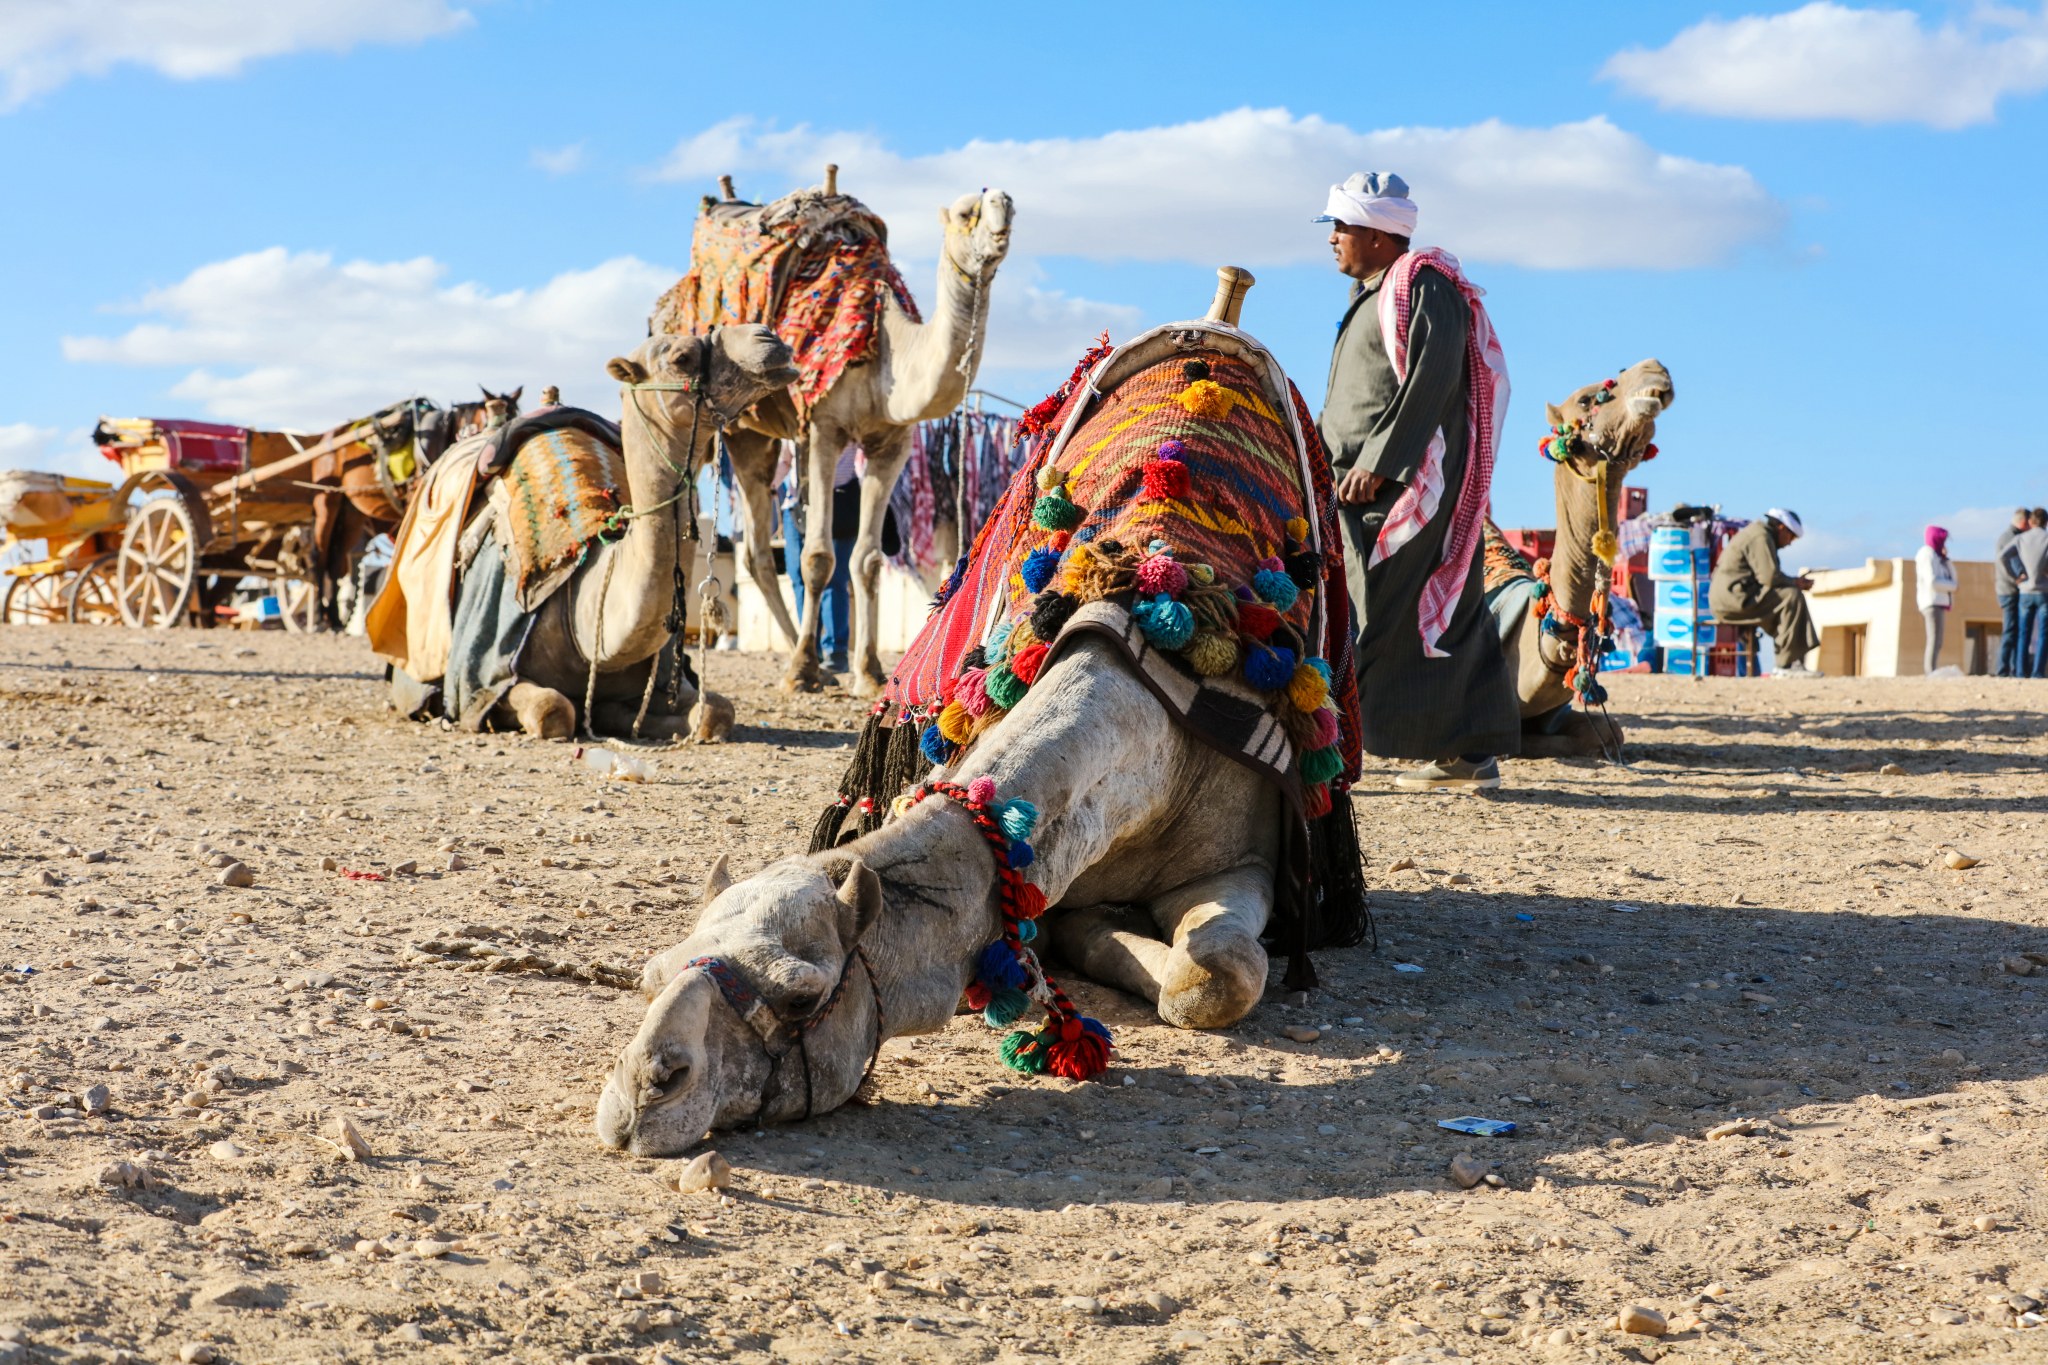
x=1433 y=683
x=1750 y=588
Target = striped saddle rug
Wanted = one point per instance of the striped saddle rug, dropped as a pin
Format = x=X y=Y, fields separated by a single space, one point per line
x=555 y=499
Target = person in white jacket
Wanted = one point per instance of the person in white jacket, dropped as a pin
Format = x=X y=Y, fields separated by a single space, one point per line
x=1935 y=586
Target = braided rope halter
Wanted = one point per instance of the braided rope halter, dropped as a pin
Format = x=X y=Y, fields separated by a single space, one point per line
x=768 y=1025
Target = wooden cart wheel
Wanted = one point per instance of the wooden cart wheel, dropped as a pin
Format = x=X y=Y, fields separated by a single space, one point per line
x=157 y=566
x=299 y=604
x=35 y=600
x=90 y=599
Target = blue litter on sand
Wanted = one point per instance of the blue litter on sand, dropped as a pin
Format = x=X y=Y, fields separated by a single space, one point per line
x=1526 y=919
x=1406 y=967
x=1478 y=1127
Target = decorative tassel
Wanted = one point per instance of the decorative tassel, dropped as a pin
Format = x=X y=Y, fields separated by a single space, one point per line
x=1321 y=765
x=1005 y=688
x=1165 y=480
x=1021 y=855
x=1005 y=1007
x=1605 y=545
x=1315 y=801
x=1159 y=574
x=934 y=745
x=1257 y=620
x=1166 y=623
x=1305 y=568
x=978 y=996
x=1080 y=1054
x=1207 y=398
x=1027 y=664
x=976 y=657
x=1308 y=688
x=1343 y=916
x=1050 y=613
x=1027 y=930
x=999 y=967
x=902 y=763
x=1327 y=728
x=1021 y=638
x=1298 y=528
x=955 y=721
x=981 y=790
x=1276 y=587
x=1172 y=449
x=1201 y=575
x=972 y=692
x=1039 y=567
x=1026 y=1052
x=1030 y=901
x=862 y=782
x=1018 y=818
x=998 y=640
x=1053 y=512
x=1269 y=668
x=1211 y=655
x=1322 y=666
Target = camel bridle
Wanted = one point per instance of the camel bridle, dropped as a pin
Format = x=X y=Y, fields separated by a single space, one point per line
x=768 y=1024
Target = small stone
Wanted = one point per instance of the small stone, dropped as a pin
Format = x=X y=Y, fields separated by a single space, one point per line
x=1467 y=1170
x=195 y=1099
x=409 y=1332
x=95 y=1099
x=1984 y=1222
x=1459 y=879
x=1302 y=1033
x=1732 y=1128
x=225 y=1151
x=347 y=1140
x=1263 y=1258
x=221 y=859
x=328 y=864
x=124 y=1175
x=376 y=1002
x=706 y=1171
x=456 y=862
x=1188 y=1336
x=1947 y=1317
x=880 y=1280
x=1403 y=865
x=1161 y=1303
x=1891 y=770
x=646 y=1281
x=196 y=1353
x=229 y=1294
x=100 y=1023
x=48 y=878
x=1715 y=1290
x=2018 y=966
x=1959 y=860
x=98 y=855
x=1158 y=1189
x=1643 y=1322
x=1497 y=1181
x=1082 y=1303
x=409 y=866
x=236 y=874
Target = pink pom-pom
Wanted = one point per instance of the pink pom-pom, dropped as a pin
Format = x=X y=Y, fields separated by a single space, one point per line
x=982 y=790
x=1160 y=574
x=1326 y=727
x=972 y=692
x=1271 y=562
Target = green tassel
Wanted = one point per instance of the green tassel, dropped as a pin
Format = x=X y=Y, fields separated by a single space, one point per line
x=1025 y=1051
x=1054 y=512
x=1006 y=1005
x=1320 y=765
x=1005 y=688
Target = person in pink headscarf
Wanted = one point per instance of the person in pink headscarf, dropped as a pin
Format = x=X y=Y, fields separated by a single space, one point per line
x=1935 y=586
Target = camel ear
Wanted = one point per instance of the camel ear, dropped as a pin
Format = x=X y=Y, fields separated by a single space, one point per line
x=718 y=880
x=860 y=903
x=1552 y=413
x=626 y=371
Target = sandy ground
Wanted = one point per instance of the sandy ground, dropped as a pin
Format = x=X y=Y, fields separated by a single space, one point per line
x=1751 y=921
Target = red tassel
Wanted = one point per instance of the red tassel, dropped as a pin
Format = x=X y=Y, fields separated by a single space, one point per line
x=1027 y=663
x=977 y=996
x=946 y=691
x=1030 y=901
x=1166 y=479
x=1257 y=620
x=1315 y=802
x=1080 y=1058
x=1061 y=539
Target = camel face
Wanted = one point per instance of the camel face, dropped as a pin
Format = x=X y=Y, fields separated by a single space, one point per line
x=979 y=225
x=740 y=366
x=697 y=1062
x=1623 y=428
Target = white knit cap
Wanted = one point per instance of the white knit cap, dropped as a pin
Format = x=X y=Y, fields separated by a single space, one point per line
x=1788 y=520
x=1372 y=199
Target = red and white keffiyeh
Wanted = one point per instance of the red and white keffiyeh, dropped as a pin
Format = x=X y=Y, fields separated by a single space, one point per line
x=1486 y=407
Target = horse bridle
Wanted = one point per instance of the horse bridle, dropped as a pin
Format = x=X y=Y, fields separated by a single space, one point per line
x=760 y=1016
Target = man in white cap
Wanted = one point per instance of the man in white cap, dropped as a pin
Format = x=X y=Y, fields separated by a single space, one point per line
x=1418 y=386
x=1749 y=588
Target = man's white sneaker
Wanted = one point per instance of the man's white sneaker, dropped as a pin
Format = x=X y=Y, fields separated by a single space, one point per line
x=1454 y=772
x=1797 y=671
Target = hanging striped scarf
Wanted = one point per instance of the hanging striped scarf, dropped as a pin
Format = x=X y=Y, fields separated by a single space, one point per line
x=1486 y=409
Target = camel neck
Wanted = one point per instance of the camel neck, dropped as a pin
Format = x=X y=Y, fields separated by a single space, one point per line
x=930 y=378
x=641 y=565
x=1575 y=571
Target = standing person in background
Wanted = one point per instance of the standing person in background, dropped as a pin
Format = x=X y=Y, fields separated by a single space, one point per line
x=2023 y=559
x=835 y=628
x=2008 y=598
x=1934 y=584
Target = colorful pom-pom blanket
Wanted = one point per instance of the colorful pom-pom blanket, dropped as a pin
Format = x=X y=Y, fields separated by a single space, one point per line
x=1183 y=508
x=812 y=266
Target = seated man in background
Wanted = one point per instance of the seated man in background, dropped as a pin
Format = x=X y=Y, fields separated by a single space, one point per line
x=1749 y=588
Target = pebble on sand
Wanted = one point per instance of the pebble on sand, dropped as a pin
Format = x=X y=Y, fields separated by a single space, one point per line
x=196 y=1353
x=1642 y=1322
x=344 y=1137
x=1302 y=1033
x=1467 y=1170
x=237 y=874
x=706 y=1171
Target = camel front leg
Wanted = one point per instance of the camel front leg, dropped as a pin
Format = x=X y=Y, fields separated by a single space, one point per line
x=886 y=458
x=1207 y=971
x=754 y=458
x=821 y=461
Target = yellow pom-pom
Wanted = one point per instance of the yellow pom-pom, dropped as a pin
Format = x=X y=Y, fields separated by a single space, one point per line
x=1210 y=654
x=1207 y=398
x=1020 y=639
x=1298 y=528
x=1307 y=689
x=1078 y=560
x=1201 y=574
x=1606 y=546
x=902 y=806
x=1049 y=477
x=955 y=722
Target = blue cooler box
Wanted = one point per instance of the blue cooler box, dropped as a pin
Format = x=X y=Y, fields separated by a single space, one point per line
x=1677 y=595
x=1678 y=552
x=1676 y=632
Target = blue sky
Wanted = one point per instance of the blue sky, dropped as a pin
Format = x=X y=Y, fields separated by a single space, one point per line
x=1825 y=219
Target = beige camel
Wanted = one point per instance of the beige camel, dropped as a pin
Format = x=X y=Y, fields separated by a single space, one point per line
x=615 y=607
x=1610 y=439
x=917 y=371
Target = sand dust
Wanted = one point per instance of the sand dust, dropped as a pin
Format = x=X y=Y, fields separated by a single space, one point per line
x=1754 y=924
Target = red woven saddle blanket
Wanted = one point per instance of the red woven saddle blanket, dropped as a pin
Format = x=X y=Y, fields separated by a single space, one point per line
x=1188 y=515
x=814 y=267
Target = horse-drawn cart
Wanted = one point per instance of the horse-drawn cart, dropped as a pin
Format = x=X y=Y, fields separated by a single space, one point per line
x=79 y=522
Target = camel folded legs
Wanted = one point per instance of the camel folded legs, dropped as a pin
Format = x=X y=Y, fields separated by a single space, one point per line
x=1193 y=952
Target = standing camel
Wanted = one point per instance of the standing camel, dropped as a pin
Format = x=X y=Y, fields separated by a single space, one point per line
x=917 y=371
x=1603 y=431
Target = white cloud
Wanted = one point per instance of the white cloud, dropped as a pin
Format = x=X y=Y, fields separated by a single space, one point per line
x=296 y=340
x=44 y=43
x=26 y=446
x=21 y=444
x=1031 y=328
x=561 y=161
x=1241 y=187
x=1828 y=61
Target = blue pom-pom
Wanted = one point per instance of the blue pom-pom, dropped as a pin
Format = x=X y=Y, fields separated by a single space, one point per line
x=1269 y=668
x=1095 y=1027
x=934 y=745
x=1027 y=930
x=1322 y=666
x=1019 y=818
x=1021 y=854
x=1039 y=567
x=1276 y=587
x=1000 y=638
x=1005 y=1007
x=999 y=967
x=1167 y=624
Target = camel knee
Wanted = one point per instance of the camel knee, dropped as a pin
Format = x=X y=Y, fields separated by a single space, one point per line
x=542 y=712
x=1215 y=973
x=711 y=719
